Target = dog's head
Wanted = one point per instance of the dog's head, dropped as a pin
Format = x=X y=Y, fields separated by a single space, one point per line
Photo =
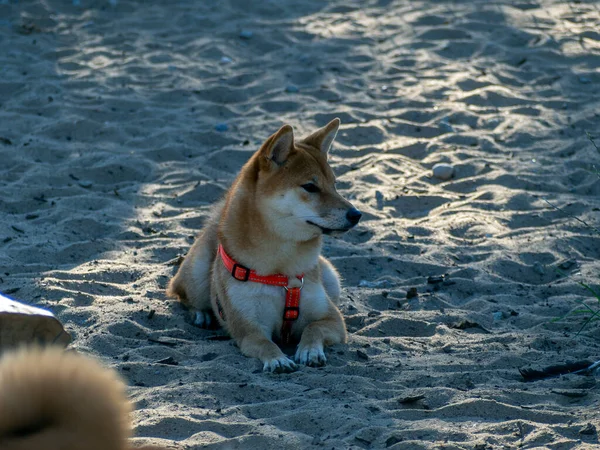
x=296 y=186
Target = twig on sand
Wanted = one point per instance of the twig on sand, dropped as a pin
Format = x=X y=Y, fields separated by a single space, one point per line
x=591 y=227
x=530 y=374
x=411 y=399
x=589 y=136
x=167 y=343
x=590 y=369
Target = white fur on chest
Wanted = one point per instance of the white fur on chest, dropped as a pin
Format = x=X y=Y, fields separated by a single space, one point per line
x=264 y=304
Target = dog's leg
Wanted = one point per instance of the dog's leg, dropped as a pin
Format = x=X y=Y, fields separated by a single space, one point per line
x=327 y=331
x=256 y=345
x=191 y=284
x=331 y=279
x=198 y=291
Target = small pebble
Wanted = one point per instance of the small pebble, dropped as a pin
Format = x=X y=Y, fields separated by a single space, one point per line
x=443 y=171
x=412 y=293
x=498 y=315
x=85 y=184
x=435 y=279
x=246 y=34
x=292 y=89
x=221 y=127
x=226 y=60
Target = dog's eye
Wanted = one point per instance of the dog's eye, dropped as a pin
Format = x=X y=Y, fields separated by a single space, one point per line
x=310 y=187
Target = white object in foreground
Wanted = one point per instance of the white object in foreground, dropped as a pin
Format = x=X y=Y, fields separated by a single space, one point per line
x=25 y=324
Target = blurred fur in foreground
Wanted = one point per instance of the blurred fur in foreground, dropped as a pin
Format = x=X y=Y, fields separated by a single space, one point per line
x=51 y=399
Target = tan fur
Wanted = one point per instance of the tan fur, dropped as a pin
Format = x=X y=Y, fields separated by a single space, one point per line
x=56 y=400
x=271 y=224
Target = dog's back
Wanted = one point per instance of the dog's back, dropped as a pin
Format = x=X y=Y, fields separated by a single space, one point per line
x=56 y=400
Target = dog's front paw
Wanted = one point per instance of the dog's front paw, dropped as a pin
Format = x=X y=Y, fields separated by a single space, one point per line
x=310 y=356
x=280 y=365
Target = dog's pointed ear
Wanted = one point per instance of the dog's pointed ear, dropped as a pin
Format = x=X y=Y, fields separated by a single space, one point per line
x=278 y=147
x=323 y=137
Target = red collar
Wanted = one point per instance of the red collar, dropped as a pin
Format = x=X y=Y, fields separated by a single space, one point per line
x=242 y=273
x=292 y=295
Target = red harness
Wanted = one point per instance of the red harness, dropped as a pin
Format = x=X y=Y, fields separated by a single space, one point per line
x=292 y=295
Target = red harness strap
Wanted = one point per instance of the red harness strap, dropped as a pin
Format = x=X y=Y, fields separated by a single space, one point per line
x=292 y=295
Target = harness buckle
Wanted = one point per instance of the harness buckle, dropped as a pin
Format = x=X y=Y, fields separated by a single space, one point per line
x=291 y=313
x=234 y=269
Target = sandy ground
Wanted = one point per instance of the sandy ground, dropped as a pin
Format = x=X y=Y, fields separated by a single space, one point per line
x=122 y=121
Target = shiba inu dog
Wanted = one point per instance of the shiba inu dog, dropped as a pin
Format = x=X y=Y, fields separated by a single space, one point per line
x=257 y=266
x=56 y=400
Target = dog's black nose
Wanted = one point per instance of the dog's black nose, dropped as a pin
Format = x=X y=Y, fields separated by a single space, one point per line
x=353 y=215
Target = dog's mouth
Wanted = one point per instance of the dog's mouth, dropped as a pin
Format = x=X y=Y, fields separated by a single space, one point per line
x=326 y=230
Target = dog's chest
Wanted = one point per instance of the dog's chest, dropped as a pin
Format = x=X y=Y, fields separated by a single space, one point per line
x=265 y=304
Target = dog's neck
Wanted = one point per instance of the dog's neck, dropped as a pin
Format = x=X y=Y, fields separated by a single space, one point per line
x=246 y=237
